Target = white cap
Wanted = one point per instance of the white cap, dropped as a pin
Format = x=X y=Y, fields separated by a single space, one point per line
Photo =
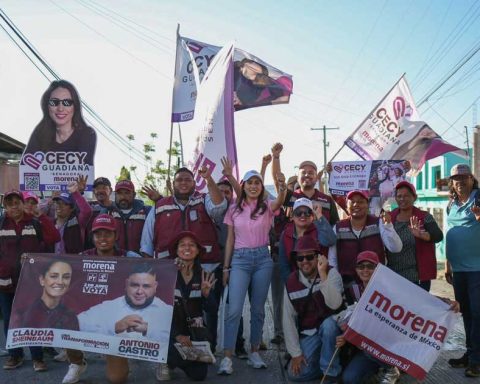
x=251 y=174
x=303 y=202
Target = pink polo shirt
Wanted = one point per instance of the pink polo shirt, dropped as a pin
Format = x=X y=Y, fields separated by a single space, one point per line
x=250 y=233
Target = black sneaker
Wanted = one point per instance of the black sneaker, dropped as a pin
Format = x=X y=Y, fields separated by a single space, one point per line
x=278 y=339
x=473 y=370
x=461 y=362
x=241 y=353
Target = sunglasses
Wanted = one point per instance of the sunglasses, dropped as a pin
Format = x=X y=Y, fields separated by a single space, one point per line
x=309 y=257
x=56 y=102
x=368 y=266
x=298 y=213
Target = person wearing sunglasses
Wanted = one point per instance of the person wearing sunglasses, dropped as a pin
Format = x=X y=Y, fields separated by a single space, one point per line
x=313 y=293
x=307 y=221
x=62 y=127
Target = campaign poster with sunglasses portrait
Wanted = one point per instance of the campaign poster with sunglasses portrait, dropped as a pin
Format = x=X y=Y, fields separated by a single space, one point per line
x=55 y=155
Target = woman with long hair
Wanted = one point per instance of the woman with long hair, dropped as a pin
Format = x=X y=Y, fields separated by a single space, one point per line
x=248 y=263
x=62 y=127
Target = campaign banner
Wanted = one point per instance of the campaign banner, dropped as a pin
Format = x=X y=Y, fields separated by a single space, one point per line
x=255 y=82
x=378 y=177
x=393 y=131
x=214 y=121
x=397 y=330
x=112 y=305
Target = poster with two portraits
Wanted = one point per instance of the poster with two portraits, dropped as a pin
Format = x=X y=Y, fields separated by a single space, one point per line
x=115 y=306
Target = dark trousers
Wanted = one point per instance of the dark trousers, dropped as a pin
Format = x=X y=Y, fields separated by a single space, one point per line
x=6 y=303
x=195 y=370
x=466 y=286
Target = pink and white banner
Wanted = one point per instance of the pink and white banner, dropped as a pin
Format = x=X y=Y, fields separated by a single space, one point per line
x=214 y=120
x=399 y=323
x=255 y=82
x=394 y=131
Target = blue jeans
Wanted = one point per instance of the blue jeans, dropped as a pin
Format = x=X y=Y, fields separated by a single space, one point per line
x=360 y=368
x=318 y=350
x=6 y=303
x=250 y=266
x=466 y=286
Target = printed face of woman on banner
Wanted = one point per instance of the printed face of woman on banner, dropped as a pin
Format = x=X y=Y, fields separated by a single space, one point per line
x=61 y=107
x=55 y=282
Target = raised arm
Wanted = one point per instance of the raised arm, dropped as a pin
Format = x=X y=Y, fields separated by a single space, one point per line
x=279 y=180
x=276 y=168
x=228 y=173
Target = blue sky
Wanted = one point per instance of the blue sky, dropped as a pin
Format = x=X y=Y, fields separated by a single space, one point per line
x=343 y=56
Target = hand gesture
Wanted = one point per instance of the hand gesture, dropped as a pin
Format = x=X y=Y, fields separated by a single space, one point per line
x=329 y=167
x=277 y=149
x=204 y=172
x=72 y=187
x=386 y=217
x=227 y=166
x=416 y=227
x=282 y=186
x=317 y=210
x=296 y=364
x=131 y=323
x=267 y=159
x=320 y=174
x=208 y=282
x=322 y=265
x=82 y=183
x=151 y=192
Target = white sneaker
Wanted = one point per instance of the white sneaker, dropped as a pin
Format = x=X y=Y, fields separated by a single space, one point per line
x=61 y=356
x=74 y=372
x=256 y=361
x=226 y=366
x=390 y=375
x=163 y=372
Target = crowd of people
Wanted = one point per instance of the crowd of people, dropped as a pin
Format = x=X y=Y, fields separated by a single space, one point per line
x=239 y=236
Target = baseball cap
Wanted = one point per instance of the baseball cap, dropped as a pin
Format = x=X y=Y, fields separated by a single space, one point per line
x=460 y=169
x=303 y=202
x=251 y=174
x=368 y=256
x=103 y=221
x=125 y=184
x=306 y=243
x=102 y=181
x=66 y=198
x=364 y=194
x=307 y=162
x=408 y=185
x=30 y=195
x=13 y=192
x=172 y=249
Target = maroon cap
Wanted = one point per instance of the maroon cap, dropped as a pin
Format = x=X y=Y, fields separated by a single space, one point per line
x=306 y=243
x=364 y=194
x=172 y=248
x=104 y=222
x=125 y=184
x=408 y=185
x=368 y=256
x=13 y=192
x=30 y=195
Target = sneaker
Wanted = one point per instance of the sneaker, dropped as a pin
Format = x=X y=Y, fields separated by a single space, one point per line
x=461 y=362
x=473 y=370
x=390 y=375
x=74 y=372
x=241 y=353
x=262 y=346
x=61 y=356
x=13 y=362
x=278 y=339
x=163 y=372
x=39 y=366
x=256 y=361
x=226 y=366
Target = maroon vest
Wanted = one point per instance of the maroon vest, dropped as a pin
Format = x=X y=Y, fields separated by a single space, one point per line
x=349 y=246
x=129 y=228
x=170 y=220
x=289 y=241
x=311 y=308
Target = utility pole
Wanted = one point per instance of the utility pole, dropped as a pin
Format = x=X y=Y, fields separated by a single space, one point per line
x=325 y=142
x=468 y=147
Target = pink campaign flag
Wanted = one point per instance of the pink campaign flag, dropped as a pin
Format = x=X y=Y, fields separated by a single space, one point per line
x=394 y=131
x=388 y=325
x=213 y=120
x=255 y=83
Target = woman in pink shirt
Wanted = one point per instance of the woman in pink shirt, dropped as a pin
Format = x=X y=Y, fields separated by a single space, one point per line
x=248 y=263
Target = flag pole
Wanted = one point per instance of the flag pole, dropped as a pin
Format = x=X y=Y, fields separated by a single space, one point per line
x=171 y=122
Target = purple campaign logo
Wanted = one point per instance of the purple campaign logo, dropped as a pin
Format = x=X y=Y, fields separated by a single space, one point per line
x=35 y=160
x=338 y=168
